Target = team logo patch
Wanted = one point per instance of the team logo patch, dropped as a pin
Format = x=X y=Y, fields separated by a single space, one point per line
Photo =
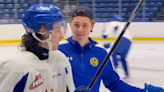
x=37 y=82
x=94 y=61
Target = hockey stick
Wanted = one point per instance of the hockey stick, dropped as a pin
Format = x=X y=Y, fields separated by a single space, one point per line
x=114 y=45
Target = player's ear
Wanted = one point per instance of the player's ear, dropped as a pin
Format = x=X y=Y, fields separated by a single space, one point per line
x=43 y=32
x=93 y=26
x=92 y=23
x=70 y=24
x=41 y=29
x=70 y=21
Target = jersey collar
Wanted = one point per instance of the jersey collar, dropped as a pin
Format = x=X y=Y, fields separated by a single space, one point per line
x=77 y=45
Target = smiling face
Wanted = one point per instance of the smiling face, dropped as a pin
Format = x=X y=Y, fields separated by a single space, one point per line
x=81 y=28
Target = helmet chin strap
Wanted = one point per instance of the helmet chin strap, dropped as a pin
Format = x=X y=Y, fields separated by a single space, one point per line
x=48 y=40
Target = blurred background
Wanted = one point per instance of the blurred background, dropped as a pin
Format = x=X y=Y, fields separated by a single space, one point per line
x=12 y=11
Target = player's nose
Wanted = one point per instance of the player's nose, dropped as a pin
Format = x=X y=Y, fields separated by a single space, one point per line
x=80 y=29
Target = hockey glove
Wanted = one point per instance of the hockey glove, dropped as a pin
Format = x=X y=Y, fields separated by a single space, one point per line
x=106 y=45
x=151 y=88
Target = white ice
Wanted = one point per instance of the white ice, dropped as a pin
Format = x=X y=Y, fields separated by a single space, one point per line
x=145 y=61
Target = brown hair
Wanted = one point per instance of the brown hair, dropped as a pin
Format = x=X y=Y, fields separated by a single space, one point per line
x=82 y=11
x=29 y=43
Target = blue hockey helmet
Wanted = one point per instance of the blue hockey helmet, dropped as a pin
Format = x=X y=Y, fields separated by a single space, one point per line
x=116 y=18
x=37 y=14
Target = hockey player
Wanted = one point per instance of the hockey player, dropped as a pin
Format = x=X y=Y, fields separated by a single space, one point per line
x=105 y=37
x=124 y=45
x=39 y=67
x=86 y=55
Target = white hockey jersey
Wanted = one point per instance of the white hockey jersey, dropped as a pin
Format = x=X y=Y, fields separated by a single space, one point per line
x=27 y=73
x=116 y=28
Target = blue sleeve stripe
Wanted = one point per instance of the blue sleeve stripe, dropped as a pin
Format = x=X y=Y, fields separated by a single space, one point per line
x=66 y=70
x=67 y=89
x=21 y=84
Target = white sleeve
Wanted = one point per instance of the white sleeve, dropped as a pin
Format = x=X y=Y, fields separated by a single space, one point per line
x=69 y=77
x=10 y=80
x=70 y=82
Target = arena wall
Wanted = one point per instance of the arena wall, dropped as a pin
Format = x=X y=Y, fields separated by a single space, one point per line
x=11 y=33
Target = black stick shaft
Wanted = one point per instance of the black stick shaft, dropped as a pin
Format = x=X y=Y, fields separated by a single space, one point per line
x=96 y=76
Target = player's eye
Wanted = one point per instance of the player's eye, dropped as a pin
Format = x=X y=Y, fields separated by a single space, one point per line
x=85 y=25
x=77 y=25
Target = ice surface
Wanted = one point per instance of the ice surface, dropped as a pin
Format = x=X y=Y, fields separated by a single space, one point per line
x=145 y=61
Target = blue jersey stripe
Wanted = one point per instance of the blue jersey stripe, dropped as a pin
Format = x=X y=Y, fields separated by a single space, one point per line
x=21 y=84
